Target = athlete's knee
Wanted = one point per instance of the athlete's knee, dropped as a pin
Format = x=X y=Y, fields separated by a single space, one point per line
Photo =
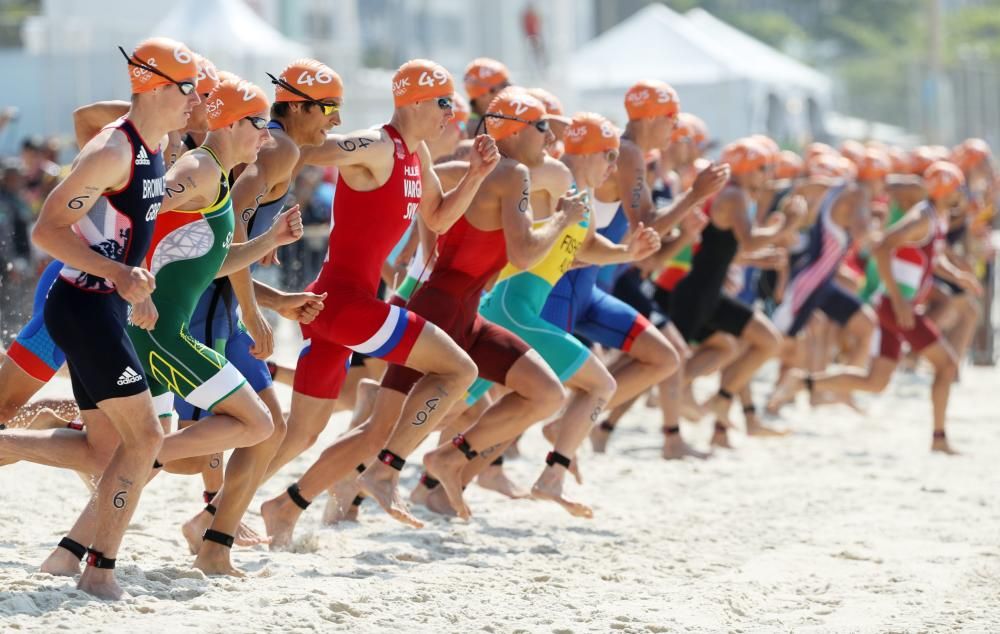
x=605 y=385
x=460 y=373
x=546 y=392
x=146 y=437
x=259 y=425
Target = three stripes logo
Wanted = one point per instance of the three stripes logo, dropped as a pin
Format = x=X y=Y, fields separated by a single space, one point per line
x=129 y=376
x=142 y=158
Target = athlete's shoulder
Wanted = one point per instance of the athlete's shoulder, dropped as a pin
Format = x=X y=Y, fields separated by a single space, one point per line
x=509 y=171
x=280 y=150
x=110 y=147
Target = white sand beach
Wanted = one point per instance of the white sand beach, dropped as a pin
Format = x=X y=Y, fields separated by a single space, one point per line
x=850 y=525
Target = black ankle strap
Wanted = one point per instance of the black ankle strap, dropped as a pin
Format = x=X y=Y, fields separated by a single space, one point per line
x=462 y=445
x=98 y=560
x=210 y=508
x=218 y=538
x=720 y=428
x=726 y=394
x=750 y=409
x=810 y=383
x=429 y=481
x=498 y=462
x=607 y=426
x=556 y=458
x=208 y=496
x=73 y=546
x=358 y=499
x=939 y=433
x=301 y=502
x=671 y=431
x=391 y=459
x=360 y=468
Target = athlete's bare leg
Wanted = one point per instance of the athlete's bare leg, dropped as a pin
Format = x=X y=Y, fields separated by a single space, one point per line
x=448 y=373
x=535 y=394
x=942 y=357
x=16 y=389
x=87 y=451
x=120 y=487
x=339 y=503
x=307 y=419
x=764 y=342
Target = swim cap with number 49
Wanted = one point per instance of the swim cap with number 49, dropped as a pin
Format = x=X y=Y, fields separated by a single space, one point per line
x=651 y=98
x=309 y=77
x=419 y=80
x=170 y=57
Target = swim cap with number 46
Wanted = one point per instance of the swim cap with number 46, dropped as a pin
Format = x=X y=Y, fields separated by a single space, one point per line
x=314 y=80
x=419 y=80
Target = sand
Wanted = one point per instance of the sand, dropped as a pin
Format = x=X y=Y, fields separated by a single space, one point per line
x=850 y=524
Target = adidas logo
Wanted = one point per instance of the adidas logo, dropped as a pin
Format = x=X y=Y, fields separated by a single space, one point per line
x=142 y=158
x=129 y=376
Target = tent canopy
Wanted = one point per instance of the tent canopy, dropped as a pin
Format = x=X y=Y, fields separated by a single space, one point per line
x=754 y=58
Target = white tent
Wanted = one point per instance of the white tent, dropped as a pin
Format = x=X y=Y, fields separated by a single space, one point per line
x=724 y=78
x=230 y=34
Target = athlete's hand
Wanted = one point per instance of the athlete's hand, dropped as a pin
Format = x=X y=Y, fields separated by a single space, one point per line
x=483 y=157
x=574 y=207
x=287 y=227
x=709 y=181
x=144 y=314
x=301 y=307
x=644 y=242
x=969 y=282
x=694 y=223
x=134 y=283
x=904 y=313
x=260 y=331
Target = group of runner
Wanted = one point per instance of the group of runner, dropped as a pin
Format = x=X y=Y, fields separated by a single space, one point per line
x=557 y=269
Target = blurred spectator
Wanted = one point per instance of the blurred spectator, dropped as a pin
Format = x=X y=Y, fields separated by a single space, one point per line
x=17 y=275
x=41 y=172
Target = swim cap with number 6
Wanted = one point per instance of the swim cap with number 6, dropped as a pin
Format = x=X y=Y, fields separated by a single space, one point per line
x=170 y=57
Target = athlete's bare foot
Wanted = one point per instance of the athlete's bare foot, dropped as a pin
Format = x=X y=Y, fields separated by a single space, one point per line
x=674 y=448
x=436 y=501
x=785 y=391
x=719 y=406
x=689 y=407
x=280 y=515
x=61 y=563
x=445 y=465
x=195 y=527
x=599 y=437
x=100 y=583
x=339 y=505
x=720 y=437
x=759 y=430
x=495 y=479
x=380 y=483
x=549 y=486
x=940 y=445
x=213 y=559
x=834 y=398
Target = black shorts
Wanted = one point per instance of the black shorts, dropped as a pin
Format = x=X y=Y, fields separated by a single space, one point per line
x=628 y=288
x=836 y=303
x=90 y=329
x=948 y=287
x=698 y=320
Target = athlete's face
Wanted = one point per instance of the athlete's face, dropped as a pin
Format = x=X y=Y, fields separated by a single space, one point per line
x=534 y=142
x=176 y=105
x=318 y=124
x=248 y=138
x=198 y=121
x=663 y=129
x=600 y=166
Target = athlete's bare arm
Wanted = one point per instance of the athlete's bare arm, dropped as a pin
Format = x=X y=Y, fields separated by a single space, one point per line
x=526 y=245
x=192 y=183
x=88 y=120
x=274 y=166
x=440 y=210
x=103 y=165
x=364 y=157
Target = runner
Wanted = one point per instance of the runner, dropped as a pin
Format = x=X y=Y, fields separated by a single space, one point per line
x=906 y=257
x=99 y=222
x=387 y=172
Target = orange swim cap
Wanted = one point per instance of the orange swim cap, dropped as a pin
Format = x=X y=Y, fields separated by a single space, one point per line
x=942 y=178
x=899 y=159
x=208 y=75
x=307 y=80
x=690 y=128
x=232 y=100
x=745 y=156
x=651 y=98
x=873 y=165
x=511 y=111
x=853 y=150
x=589 y=133
x=970 y=153
x=170 y=57
x=483 y=74
x=921 y=158
x=420 y=80
x=551 y=102
x=769 y=144
x=790 y=165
